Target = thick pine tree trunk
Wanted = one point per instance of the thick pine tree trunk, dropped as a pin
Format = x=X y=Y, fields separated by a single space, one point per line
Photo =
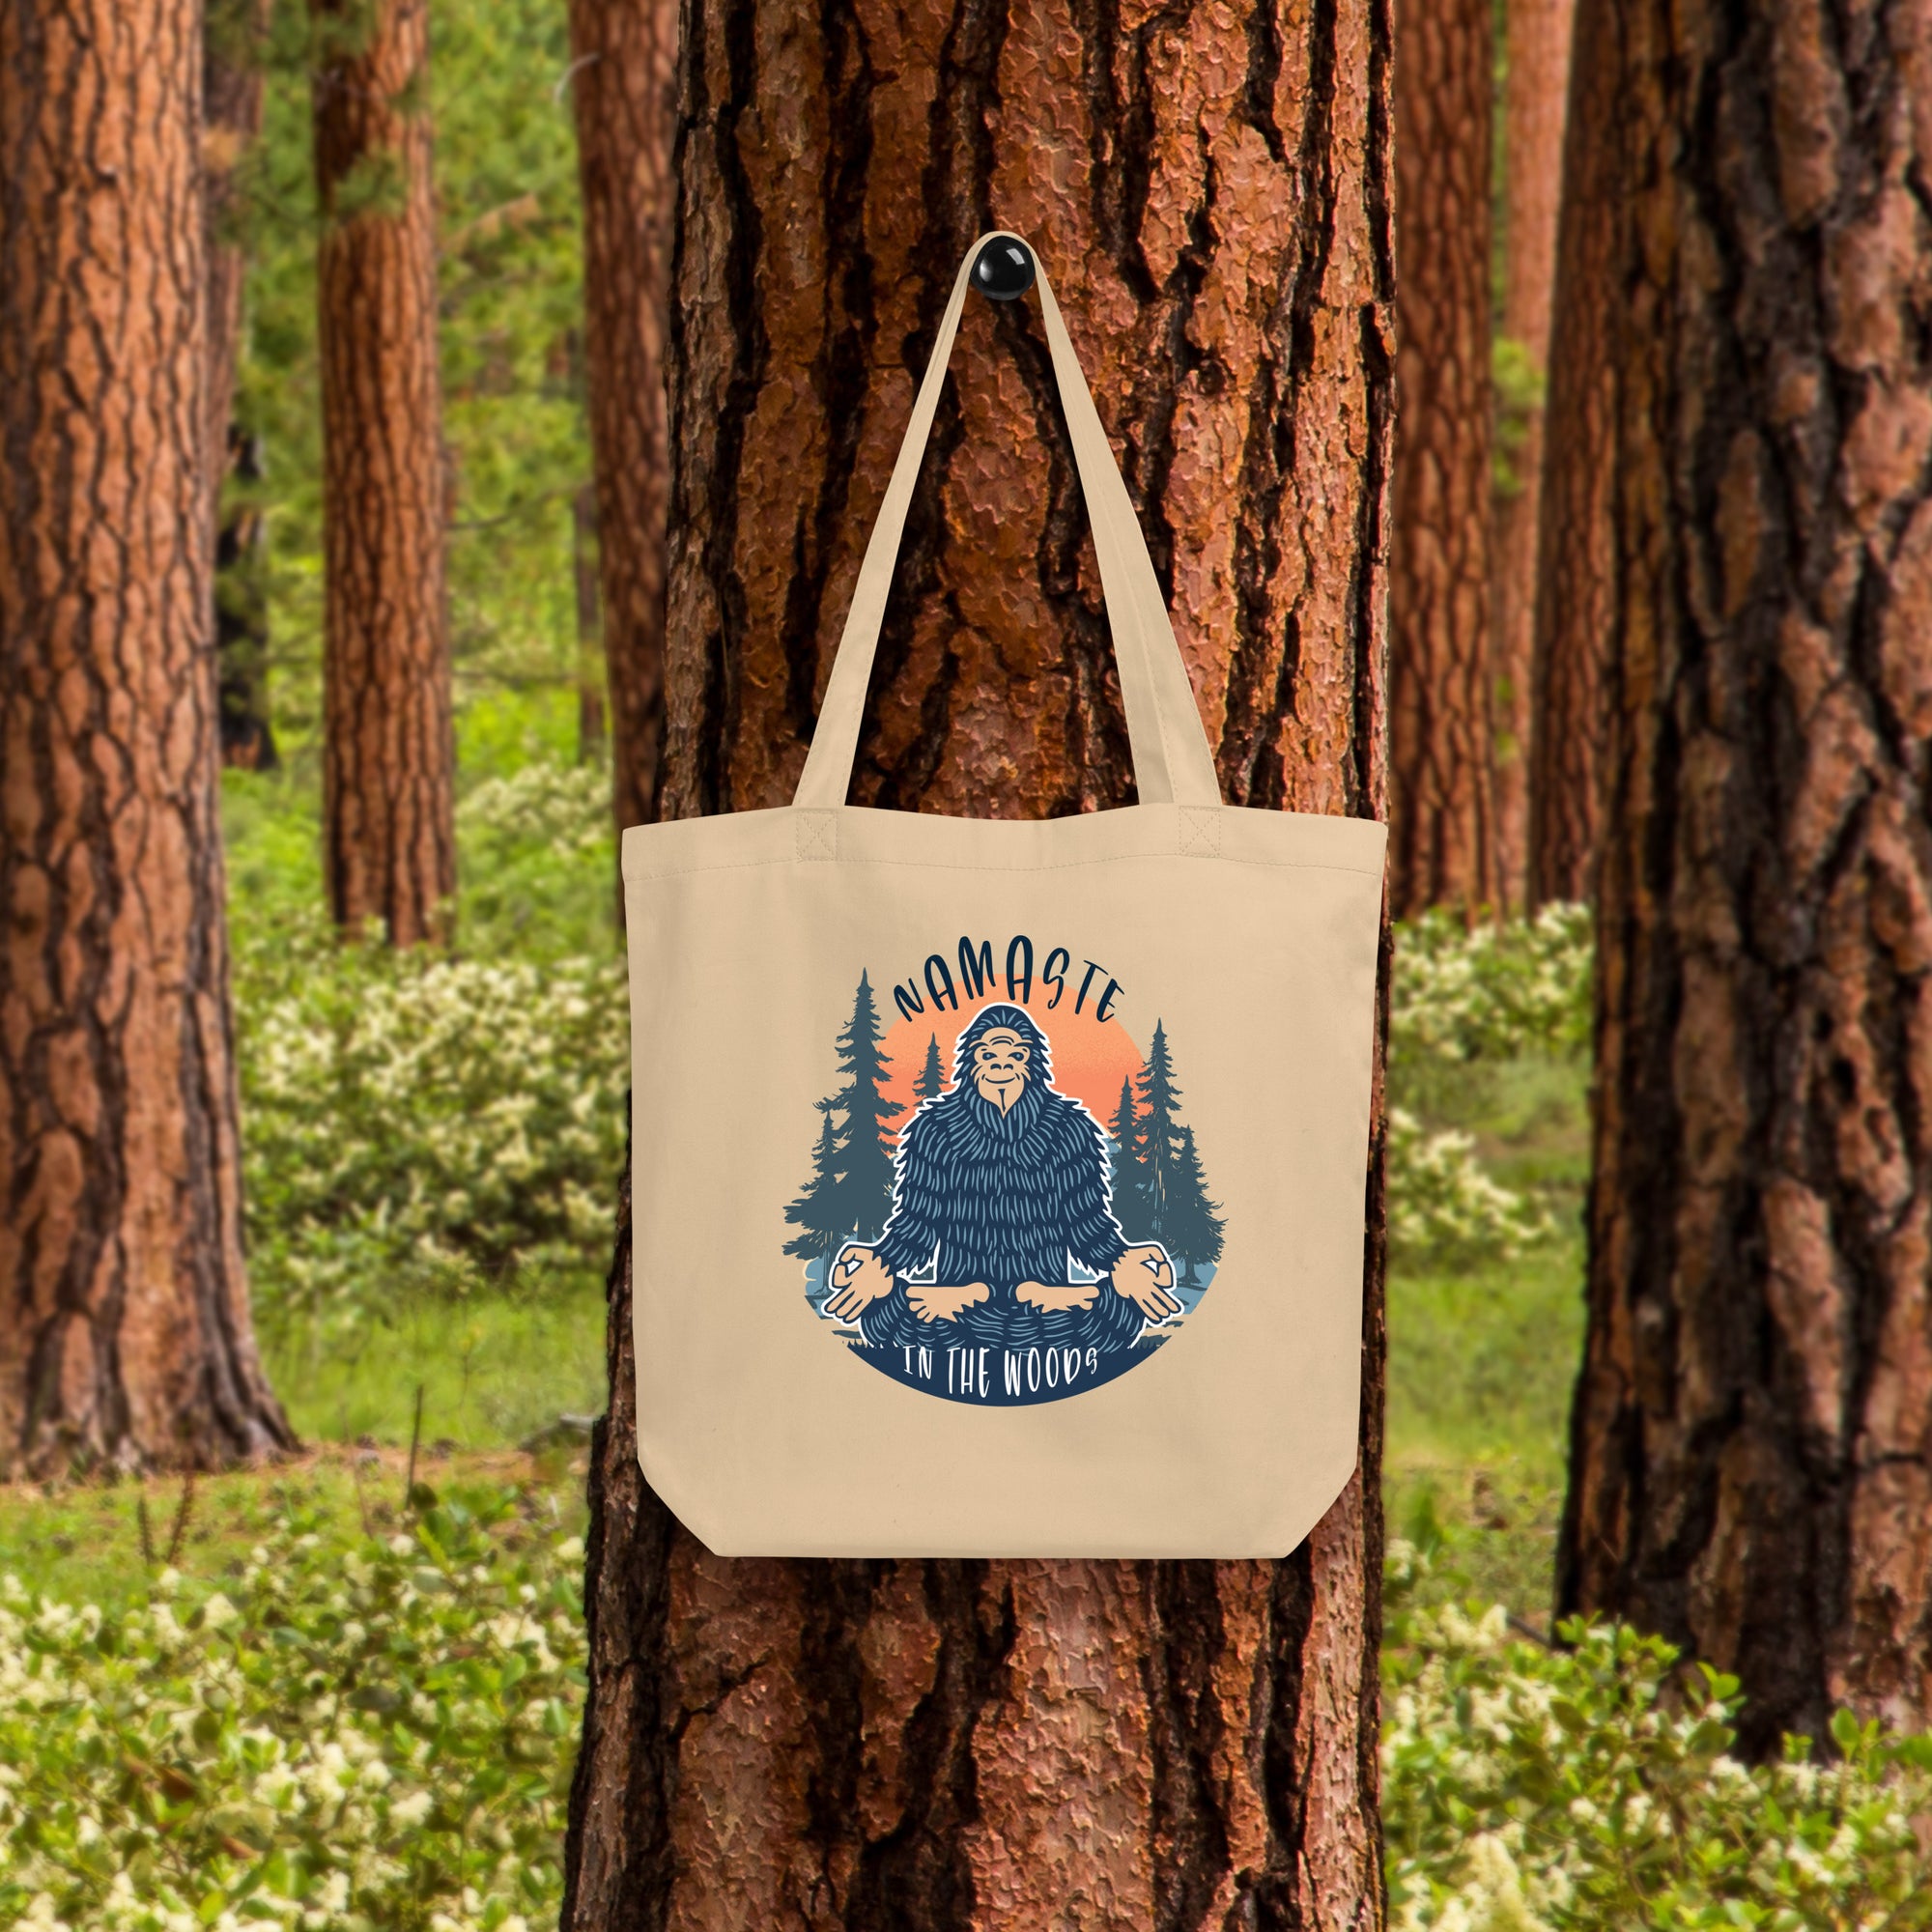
x=592 y=734
x=1750 y=1468
x=388 y=797
x=233 y=57
x=1575 y=545
x=1534 y=94
x=623 y=78
x=124 y=1338
x=1009 y=1744
x=234 y=63
x=1442 y=822
x=241 y=616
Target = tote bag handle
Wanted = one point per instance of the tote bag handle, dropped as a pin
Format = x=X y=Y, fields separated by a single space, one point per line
x=1172 y=763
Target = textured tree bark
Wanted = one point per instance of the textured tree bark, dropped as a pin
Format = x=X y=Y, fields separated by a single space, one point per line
x=623 y=60
x=1534 y=96
x=1442 y=827
x=389 y=798
x=233 y=52
x=242 y=618
x=1751 y=1469
x=125 y=1337
x=1009 y=1744
x=591 y=732
x=1574 y=543
x=233 y=57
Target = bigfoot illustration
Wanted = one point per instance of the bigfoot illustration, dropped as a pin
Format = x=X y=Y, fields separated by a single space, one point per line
x=997 y=1182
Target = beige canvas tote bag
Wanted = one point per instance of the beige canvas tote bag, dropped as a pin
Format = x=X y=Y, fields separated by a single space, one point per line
x=998 y=1186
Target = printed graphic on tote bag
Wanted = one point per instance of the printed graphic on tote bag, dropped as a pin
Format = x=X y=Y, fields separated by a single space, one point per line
x=1024 y=1216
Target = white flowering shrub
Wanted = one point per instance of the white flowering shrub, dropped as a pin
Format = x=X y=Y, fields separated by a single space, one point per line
x=1493 y=991
x=416 y=1121
x=538 y=863
x=562 y=811
x=1442 y=1203
x=1591 y=1789
x=346 y=1737
x=1461 y=1001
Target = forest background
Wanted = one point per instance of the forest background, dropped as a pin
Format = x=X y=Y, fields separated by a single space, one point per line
x=345 y=1687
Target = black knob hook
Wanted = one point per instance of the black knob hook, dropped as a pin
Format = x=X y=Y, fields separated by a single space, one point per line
x=1004 y=269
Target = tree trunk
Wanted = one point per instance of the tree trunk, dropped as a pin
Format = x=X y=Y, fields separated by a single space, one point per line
x=241 y=617
x=234 y=56
x=1574 y=548
x=388 y=805
x=1442 y=829
x=1751 y=1469
x=623 y=61
x=1538 y=35
x=1009 y=1744
x=125 y=1337
x=592 y=734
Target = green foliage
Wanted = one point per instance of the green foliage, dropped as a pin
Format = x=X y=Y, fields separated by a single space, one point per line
x=1490 y=992
x=413 y=1122
x=422 y=1122
x=497 y=1367
x=1482 y=1359
x=1590 y=1788
x=354 y=1732
x=1466 y=1004
x=1517 y=384
x=1442 y=1204
x=539 y=863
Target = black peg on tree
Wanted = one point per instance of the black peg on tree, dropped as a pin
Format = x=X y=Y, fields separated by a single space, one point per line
x=1003 y=269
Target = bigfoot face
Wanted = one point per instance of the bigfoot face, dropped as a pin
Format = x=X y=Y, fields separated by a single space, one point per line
x=999 y=1066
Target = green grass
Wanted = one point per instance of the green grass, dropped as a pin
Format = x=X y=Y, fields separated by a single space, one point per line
x=1481 y=1360
x=83 y=1542
x=494 y=1370
x=495 y=1373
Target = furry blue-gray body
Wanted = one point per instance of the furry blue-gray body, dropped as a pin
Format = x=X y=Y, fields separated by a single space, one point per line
x=1002 y=1197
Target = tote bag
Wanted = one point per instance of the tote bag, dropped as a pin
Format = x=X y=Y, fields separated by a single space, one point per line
x=998 y=1186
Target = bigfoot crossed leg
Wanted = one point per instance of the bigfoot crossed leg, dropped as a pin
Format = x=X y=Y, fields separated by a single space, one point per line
x=1106 y=1313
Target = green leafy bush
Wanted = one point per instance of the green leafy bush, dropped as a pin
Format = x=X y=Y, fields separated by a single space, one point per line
x=538 y=864
x=1442 y=1202
x=416 y=1121
x=1490 y=992
x=1465 y=1002
x=1591 y=1789
x=346 y=1737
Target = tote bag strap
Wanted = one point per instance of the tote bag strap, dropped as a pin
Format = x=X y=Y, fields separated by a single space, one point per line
x=1172 y=763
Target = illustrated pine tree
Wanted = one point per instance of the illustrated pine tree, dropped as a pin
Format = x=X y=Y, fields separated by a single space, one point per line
x=1192 y=1227
x=1157 y=1143
x=1125 y=1128
x=819 y=1211
x=931 y=1081
x=866 y=1133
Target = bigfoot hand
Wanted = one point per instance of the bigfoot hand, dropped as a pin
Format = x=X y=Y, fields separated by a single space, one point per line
x=1061 y=1296
x=859 y=1278
x=932 y=1302
x=1143 y=1276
